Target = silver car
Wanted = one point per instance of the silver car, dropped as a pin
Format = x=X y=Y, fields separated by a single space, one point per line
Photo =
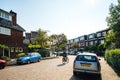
x=86 y=63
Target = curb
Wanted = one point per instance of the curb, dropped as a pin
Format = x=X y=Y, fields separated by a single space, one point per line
x=13 y=61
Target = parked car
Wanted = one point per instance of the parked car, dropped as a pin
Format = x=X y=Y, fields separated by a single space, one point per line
x=87 y=63
x=29 y=57
x=3 y=63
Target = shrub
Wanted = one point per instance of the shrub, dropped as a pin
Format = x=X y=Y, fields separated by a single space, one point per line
x=5 y=58
x=20 y=55
x=44 y=52
x=113 y=58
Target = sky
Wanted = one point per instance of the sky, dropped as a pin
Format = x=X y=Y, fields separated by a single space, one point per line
x=74 y=18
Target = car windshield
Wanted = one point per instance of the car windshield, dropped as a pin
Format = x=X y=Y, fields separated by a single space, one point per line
x=88 y=58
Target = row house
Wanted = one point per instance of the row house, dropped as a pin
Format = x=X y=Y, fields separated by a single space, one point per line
x=88 y=40
x=11 y=34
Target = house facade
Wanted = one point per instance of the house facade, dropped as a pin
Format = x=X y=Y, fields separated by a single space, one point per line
x=11 y=34
x=30 y=36
x=87 y=40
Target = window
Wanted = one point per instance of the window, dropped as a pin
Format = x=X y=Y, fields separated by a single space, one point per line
x=20 y=49
x=103 y=33
x=91 y=36
x=91 y=43
x=12 y=49
x=0 y=30
x=86 y=43
x=5 y=31
x=86 y=58
x=0 y=14
x=102 y=41
x=76 y=40
x=95 y=42
x=5 y=16
x=16 y=49
x=82 y=38
x=98 y=34
x=71 y=41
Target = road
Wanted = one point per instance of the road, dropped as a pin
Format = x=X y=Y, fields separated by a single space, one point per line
x=52 y=69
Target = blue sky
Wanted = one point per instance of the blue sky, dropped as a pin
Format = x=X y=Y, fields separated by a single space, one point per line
x=74 y=18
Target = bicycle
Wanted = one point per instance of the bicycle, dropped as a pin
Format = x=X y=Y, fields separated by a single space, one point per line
x=65 y=60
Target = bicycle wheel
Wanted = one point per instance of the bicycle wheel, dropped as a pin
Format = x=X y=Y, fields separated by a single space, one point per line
x=67 y=60
x=63 y=60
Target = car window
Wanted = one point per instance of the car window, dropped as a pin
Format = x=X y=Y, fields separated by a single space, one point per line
x=86 y=58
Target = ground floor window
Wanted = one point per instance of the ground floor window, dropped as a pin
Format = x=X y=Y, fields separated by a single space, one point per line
x=16 y=49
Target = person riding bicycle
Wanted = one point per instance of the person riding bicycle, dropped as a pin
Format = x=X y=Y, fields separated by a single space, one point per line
x=64 y=55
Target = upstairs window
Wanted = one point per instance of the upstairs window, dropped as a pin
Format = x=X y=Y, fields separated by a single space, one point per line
x=98 y=34
x=5 y=16
x=82 y=38
x=91 y=36
x=103 y=33
x=0 y=14
x=76 y=40
x=5 y=31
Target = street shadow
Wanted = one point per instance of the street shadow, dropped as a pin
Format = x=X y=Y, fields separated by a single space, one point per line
x=60 y=65
x=85 y=77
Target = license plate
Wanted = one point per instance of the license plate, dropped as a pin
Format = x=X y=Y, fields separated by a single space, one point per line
x=86 y=65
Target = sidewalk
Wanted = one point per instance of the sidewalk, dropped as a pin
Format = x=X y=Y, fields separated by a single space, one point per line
x=13 y=61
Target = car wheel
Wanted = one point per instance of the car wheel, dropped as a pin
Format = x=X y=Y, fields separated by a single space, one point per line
x=28 y=62
x=2 y=66
x=74 y=73
x=38 y=60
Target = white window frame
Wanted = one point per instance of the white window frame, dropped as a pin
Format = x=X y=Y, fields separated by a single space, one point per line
x=5 y=16
x=102 y=41
x=20 y=49
x=5 y=31
x=12 y=49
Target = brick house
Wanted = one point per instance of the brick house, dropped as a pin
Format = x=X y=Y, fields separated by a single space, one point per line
x=88 y=40
x=11 y=34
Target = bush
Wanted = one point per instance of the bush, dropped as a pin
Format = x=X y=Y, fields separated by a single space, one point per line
x=44 y=52
x=113 y=58
x=5 y=58
x=20 y=55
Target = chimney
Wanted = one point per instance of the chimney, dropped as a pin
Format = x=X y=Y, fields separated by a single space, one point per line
x=14 y=17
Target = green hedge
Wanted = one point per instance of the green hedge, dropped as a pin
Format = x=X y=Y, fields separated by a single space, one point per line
x=5 y=58
x=20 y=55
x=44 y=52
x=113 y=58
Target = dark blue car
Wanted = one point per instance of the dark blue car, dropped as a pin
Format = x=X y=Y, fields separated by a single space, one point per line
x=29 y=57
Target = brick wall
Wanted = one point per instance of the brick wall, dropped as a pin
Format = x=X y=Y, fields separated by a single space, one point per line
x=15 y=39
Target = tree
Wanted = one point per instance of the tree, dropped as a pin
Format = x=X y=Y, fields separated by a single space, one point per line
x=41 y=39
x=75 y=45
x=59 y=41
x=113 y=20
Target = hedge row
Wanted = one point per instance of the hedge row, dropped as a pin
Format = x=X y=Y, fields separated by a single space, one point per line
x=44 y=52
x=113 y=58
x=20 y=55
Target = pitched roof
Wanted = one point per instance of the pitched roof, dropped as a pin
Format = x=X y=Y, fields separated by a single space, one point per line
x=9 y=24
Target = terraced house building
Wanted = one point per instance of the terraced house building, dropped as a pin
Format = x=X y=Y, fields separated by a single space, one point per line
x=87 y=40
x=11 y=34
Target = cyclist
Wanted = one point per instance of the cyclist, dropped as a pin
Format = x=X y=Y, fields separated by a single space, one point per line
x=65 y=56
